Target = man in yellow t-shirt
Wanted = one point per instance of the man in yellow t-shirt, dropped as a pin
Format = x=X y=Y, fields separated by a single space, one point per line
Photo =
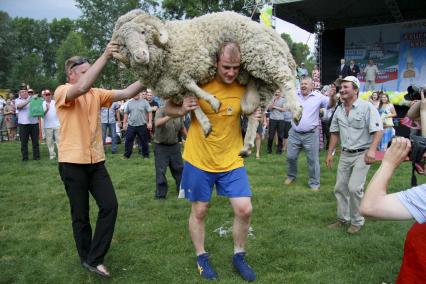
x=214 y=160
x=81 y=155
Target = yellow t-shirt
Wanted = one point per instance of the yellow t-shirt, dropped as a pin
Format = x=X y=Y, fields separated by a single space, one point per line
x=219 y=151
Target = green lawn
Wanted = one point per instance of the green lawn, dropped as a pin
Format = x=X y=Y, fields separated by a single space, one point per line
x=151 y=242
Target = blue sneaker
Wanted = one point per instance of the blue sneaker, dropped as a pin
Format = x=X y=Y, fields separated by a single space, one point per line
x=204 y=267
x=242 y=267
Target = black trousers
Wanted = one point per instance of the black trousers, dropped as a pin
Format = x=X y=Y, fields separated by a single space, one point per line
x=287 y=127
x=167 y=156
x=79 y=180
x=25 y=132
x=278 y=127
x=326 y=132
x=133 y=131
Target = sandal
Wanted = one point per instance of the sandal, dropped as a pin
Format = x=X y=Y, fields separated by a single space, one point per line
x=100 y=269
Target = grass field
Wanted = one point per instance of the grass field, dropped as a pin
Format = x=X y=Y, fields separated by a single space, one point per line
x=151 y=242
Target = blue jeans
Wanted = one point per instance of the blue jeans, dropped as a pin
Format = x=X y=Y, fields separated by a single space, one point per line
x=111 y=127
x=309 y=142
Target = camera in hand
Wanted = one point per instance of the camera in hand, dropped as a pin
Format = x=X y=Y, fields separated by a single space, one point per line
x=418 y=148
x=413 y=93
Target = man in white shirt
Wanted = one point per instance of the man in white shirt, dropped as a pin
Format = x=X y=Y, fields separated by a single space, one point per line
x=51 y=123
x=28 y=125
x=302 y=71
x=370 y=73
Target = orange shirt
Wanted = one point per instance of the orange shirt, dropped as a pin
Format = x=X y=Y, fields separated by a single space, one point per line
x=81 y=133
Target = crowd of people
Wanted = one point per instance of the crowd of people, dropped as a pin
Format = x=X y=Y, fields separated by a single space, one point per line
x=80 y=120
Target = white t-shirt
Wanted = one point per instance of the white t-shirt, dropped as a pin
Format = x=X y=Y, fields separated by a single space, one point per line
x=2 y=104
x=50 y=118
x=24 y=113
x=414 y=199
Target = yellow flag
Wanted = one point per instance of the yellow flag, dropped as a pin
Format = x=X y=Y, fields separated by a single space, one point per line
x=266 y=15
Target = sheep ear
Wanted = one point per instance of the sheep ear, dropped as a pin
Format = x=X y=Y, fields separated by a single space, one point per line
x=162 y=35
x=127 y=18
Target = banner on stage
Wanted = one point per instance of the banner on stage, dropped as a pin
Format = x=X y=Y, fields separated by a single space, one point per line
x=398 y=50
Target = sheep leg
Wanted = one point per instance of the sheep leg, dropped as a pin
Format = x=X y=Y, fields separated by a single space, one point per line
x=203 y=120
x=249 y=104
x=292 y=102
x=200 y=93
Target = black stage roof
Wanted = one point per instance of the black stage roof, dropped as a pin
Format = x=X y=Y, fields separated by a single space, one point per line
x=341 y=14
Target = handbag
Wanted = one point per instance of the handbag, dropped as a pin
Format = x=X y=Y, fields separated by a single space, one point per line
x=36 y=107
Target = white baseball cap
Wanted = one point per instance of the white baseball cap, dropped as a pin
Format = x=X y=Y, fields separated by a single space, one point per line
x=352 y=79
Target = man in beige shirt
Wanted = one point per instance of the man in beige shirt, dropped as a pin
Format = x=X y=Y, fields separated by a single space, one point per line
x=371 y=71
x=81 y=155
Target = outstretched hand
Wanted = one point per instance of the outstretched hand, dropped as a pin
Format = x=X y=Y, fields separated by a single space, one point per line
x=111 y=48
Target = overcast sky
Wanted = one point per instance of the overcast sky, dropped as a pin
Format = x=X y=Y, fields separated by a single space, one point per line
x=49 y=9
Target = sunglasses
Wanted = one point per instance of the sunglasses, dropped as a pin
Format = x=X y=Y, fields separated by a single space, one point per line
x=79 y=62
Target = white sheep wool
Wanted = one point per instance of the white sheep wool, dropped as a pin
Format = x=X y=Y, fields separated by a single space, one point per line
x=174 y=57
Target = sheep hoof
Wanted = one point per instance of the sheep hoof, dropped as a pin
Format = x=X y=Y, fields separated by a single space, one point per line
x=215 y=103
x=207 y=131
x=297 y=116
x=244 y=153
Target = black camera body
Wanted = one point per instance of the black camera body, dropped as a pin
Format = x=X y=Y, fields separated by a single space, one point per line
x=413 y=93
x=418 y=148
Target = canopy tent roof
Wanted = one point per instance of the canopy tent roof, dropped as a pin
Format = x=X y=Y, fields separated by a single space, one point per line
x=341 y=14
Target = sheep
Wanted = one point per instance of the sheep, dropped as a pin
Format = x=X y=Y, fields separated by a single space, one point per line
x=174 y=57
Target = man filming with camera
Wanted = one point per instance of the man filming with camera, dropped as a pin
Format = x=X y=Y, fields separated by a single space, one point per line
x=402 y=205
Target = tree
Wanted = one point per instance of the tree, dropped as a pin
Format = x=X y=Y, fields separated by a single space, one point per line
x=72 y=45
x=32 y=36
x=29 y=69
x=99 y=17
x=39 y=39
x=181 y=9
x=97 y=25
x=300 y=52
x=58 y=32
x=7 y=47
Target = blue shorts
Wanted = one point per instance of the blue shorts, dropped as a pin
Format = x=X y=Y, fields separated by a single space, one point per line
x=198 y=184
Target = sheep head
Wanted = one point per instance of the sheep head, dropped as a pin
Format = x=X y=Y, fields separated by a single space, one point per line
x=134 y=32
x=132 y=41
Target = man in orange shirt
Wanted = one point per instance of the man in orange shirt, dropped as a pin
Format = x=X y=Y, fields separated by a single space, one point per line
x=81 y=155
